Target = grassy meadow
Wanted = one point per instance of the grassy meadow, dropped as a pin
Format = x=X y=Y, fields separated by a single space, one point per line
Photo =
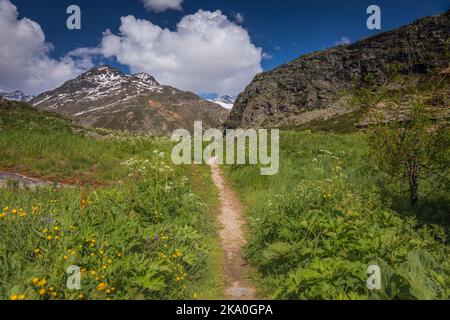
x=139 y=227
x=315 y=227
x=135 y=225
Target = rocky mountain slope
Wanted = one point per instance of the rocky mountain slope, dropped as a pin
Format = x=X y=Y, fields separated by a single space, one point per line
x=312 y=87
x=15 y=96
x=105 y=97
x=225 y=101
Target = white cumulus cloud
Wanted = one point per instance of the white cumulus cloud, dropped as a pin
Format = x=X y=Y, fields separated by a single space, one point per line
x=162 y=5
x=206 y=53
x=25 y=62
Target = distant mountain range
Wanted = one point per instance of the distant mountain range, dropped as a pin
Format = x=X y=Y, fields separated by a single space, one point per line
x=312 y=88
x=225 y=101
x=107 y=98
x=15 y=96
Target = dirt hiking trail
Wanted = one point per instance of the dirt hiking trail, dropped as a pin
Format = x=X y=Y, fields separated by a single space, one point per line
x=232 y=239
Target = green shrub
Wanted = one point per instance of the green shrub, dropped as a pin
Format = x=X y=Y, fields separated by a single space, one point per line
x=316 y=227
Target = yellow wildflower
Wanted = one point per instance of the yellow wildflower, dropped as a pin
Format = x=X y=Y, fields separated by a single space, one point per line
x=84 y=202
x=13 y=297
x=101 y=286
x=42 y=291
x=42 y=282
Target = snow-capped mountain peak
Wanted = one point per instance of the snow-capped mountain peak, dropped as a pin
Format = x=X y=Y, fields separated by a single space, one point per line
x=226 y=101
x=108 y=98
x=15 y=96
x=145 y=77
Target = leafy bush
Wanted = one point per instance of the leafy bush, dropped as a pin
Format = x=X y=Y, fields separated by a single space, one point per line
x=316 y=227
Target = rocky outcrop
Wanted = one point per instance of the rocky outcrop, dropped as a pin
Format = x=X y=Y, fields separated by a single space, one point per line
x=312 y=87
x=105 y=97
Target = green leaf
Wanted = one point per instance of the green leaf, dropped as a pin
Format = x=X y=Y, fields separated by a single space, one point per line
x=275 y=251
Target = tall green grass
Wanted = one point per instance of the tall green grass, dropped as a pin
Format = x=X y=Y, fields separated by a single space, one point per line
x=47 y=145
x=329 y=214
x=145 y=233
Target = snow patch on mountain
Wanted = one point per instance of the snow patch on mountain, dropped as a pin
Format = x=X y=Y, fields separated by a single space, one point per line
x=105 y=97
x=15 y=96
x=225 y=101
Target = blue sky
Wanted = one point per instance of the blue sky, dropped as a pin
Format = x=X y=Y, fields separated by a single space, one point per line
x=283 y=29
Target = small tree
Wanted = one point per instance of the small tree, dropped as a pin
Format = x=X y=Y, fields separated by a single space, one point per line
x=409 y=133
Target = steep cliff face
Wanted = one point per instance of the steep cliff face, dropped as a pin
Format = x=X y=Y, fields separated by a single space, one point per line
x=312 y=87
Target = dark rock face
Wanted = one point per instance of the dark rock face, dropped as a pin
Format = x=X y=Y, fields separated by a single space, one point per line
x=104 y=97
x=311 y=87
